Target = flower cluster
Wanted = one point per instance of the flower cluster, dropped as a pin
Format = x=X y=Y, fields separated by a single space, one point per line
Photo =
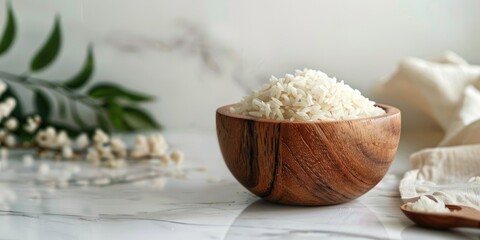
x=10 y=124
x=155 y=147
x=104 y=150
x=49 y=140
x=32 y=124
x=7 y=106
x=7 y=138
x=110 y=152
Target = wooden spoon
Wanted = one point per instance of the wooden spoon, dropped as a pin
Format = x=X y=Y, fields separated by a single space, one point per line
x=459 y=216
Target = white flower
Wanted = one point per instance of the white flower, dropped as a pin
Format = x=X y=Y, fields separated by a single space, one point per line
x=100 y=137
x=11 y=124
x=67 y=152
x=140 y=140
x=28 y=160
x=157 y=145
x=46 y=138
x=140 y=148
x=7 y=107
x=118 y=147
x=3 y=87
x=62 y=139
x=11 y=102
x=177 y=157
x=32 y=124
x=4 y=110
x=82 y=141
x=105 y=152
x=51 y=131
x=10 y=140
x=117 y=144
x=93 y=156
x=3 y=134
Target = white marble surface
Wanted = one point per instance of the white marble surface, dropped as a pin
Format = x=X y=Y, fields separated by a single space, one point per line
x=208 y=205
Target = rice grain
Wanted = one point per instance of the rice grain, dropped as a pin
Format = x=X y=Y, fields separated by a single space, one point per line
x=309 y=95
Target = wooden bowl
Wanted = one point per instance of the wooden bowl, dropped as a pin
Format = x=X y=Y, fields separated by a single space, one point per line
x=308 y=163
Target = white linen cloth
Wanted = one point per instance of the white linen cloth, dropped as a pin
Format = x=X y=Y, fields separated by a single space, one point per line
x=448 y=91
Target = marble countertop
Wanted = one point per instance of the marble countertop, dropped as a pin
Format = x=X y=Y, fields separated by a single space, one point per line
x=208 y=204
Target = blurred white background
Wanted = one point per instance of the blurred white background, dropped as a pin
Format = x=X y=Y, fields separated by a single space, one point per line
x=198 y=55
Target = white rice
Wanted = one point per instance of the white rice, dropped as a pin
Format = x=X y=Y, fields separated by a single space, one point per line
x=309 y=95
x=425 y=204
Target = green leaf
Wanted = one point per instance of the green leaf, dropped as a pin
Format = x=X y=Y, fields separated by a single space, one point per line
x=139 y=119
x=9 y=32
x=78 y=120
x=49 y=51
x=82 y=77
x=42 y=104
x=62 y=108
x=76 y=115
x=103 y=122
x=109 y=91
x=115 y=115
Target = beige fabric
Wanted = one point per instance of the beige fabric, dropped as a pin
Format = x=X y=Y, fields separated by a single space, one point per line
x=448 y=91
x=445 y=173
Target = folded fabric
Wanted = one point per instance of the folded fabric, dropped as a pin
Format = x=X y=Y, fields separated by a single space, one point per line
x=464 y=125
x=448 y=92
x=448 y=173
x=435 y=88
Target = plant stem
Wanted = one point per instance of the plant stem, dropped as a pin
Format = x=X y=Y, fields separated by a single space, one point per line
x=57 y=87
x=76 y=115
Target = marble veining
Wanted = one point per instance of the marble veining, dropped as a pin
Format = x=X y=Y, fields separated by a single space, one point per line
x=190 y=41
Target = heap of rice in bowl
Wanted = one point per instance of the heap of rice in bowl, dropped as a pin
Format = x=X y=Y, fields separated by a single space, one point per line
x=309 y=95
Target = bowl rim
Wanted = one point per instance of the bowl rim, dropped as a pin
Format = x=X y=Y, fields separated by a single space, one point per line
x=390 y=111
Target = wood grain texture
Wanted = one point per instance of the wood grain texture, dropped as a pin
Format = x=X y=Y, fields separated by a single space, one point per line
x=460 y=216
x=308 y=163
